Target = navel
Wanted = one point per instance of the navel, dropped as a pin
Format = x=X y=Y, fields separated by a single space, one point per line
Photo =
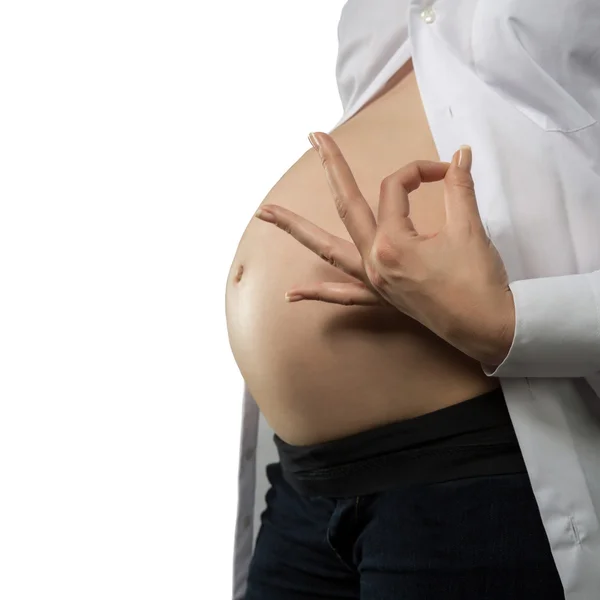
x=238 y=275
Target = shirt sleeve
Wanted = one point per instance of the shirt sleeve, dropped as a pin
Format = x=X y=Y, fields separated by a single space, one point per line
x=557 y=330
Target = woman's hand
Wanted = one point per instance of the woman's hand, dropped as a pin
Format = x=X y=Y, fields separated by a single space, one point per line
x=453 y=282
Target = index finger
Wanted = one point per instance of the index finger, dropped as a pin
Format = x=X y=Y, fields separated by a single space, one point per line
x=393 y=210
x=351 y=205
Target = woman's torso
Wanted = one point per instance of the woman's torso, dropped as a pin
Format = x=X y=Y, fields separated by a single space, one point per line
x=321 y=371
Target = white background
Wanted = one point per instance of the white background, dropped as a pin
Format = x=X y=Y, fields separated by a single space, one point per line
x=136 y=141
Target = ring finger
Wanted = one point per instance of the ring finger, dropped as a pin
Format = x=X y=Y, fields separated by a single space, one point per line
x=336 y=251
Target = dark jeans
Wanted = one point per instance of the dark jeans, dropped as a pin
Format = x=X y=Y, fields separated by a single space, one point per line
x=475 y=538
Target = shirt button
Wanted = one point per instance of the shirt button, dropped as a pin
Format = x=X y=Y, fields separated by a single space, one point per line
x=428 y=15
x=249 y=454
x=246 y=522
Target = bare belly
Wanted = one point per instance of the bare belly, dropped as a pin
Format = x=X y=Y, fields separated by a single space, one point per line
x=321 y=371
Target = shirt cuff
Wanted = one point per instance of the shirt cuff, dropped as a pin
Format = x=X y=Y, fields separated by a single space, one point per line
x=557 y=329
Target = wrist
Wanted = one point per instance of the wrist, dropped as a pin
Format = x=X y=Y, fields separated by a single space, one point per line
x=488 y=337
x=502 y=333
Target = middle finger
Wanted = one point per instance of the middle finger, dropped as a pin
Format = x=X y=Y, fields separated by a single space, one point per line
x=350 y=203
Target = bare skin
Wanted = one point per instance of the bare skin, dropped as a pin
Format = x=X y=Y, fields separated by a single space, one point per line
x=321 y=371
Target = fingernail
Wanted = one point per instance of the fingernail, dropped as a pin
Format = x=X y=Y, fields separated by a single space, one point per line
x=465 y=158
x=293 y=297
x=263 y=215
x=314 y=141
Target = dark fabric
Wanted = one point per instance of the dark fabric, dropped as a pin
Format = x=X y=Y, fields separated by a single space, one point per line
x=475 y=437
x=434 y=507
x=479 y=538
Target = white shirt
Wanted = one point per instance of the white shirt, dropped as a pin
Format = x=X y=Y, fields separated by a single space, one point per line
x=518 y=80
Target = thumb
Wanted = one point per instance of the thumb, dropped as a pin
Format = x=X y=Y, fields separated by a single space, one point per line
x=459 y=191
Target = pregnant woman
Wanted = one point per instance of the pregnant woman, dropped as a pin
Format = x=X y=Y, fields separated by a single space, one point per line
x=436 y=426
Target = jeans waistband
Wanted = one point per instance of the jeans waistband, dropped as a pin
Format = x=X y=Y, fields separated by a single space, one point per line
x=472 y=438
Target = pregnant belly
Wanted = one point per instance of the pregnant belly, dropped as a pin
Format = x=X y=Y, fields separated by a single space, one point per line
x=321 y=371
